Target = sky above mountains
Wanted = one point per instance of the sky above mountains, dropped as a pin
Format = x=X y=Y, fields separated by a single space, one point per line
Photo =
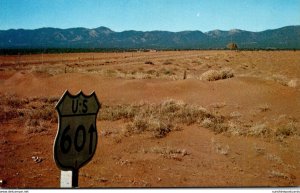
x=148 y=15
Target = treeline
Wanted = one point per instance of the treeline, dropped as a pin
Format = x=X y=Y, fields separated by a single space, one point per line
x=27 y=51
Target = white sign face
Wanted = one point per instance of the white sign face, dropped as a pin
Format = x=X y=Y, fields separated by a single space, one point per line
x=76 y=138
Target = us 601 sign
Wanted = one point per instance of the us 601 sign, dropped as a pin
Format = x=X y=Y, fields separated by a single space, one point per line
x=76 y=139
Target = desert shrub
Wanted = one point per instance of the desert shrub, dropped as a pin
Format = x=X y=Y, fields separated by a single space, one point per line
x=286 y=130
x=167 y=62
x=49 y=100
x=16 y=102
x=213 y=75
x=264 y=107
x=278 y=174
x=259 y=130
x=219 y=147
x=180 y=112
x=13 y=101
x=35 y=126
x=149 y=62
x=171 y=106
x=110 y=73
x=44 y=113
x=235 y=128
x=140 y=124
x=219 y=127
x=113 y=113
x=216 y=124
x=7 y=114
x=192 y=114
x=235 y=114
x=158 y=128
x=151 y=72
x=168 y=152
x=167 y=71
x=207 y=122
x=280 y=79
x=293 y=83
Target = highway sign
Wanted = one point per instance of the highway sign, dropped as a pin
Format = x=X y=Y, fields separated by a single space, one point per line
x=76 y=138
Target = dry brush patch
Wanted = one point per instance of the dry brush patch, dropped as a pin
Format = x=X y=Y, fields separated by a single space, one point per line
x=160 y=119
x=170 y=115
x=35 y=114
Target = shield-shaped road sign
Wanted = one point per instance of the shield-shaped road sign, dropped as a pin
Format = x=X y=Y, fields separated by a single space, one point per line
x=76 y=139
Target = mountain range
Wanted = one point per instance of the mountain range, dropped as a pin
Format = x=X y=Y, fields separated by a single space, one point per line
x=102 y=37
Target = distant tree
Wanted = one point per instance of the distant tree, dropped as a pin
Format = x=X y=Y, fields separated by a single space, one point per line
x=232 y=46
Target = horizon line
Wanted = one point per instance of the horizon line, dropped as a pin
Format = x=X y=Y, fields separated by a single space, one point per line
x=145 y=30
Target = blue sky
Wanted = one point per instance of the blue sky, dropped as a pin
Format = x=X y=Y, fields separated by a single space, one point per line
x=148 y=15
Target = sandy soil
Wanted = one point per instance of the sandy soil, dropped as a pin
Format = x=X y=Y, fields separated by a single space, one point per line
x=260 y=105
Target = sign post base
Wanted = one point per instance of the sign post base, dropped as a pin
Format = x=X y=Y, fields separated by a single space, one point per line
x=69 y=179
x=75 y=173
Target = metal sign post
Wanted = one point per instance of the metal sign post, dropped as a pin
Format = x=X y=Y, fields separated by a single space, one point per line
x=76 y=139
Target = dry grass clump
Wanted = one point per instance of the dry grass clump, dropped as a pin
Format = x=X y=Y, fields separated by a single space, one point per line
x=278 y=174
x=113 y=113
x=216 y=124
x=7 y=113
x=213 y=75
x=45 y=113
x=12 y=101
x=35 y=126
x=259 y=130
x=286 y=130
x=293 y=83
x=235 y=114
x=235 y=128
x=219 y=147
x=167 y=62
x=149 y=62
x=184 y=113
x=264 y=108
x=158 y=128
x=168 y=152
x=167 y=72
x=283 y=80
x=274 y=158
x=10 y=106
x=280 y=79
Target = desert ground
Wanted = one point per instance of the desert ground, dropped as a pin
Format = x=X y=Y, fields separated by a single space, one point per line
x=168 y=118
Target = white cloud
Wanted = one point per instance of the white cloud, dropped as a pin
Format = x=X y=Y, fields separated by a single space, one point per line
x=198 y=14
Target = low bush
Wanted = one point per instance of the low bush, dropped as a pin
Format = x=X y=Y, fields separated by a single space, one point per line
x=33 y=126
x=149 y=62
x=213 y=75
x=286 y=130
